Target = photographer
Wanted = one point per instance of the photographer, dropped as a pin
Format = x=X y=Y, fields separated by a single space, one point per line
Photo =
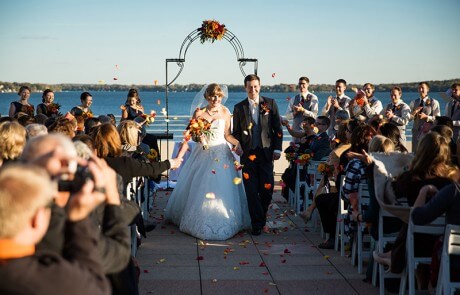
x=25 y=198
x=58 y=156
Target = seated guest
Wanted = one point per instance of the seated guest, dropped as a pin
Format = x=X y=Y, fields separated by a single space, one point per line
x=320 y=146
x=447 y=133
x=63 y=126
x=431 y=204
x=25 y=196
x=391 y=131
x=327 y=204
x=35 y=129
x=12 y=141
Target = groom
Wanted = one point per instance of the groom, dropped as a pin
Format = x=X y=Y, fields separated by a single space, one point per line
x=257 y=127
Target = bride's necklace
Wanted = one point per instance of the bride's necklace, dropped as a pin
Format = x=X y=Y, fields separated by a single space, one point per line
x=212 y=112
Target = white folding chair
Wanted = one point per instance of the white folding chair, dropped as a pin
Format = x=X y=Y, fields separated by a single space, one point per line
x=131 y=194
x=340 y=227
x=358 y=244
x=299 y=181
x=384 y=239
x=434 y=228
x=315 y=180
x=451 y=246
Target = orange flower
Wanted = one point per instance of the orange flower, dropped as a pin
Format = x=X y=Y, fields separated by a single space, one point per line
x=245 y=175
x=252 y=157
x=267 y=186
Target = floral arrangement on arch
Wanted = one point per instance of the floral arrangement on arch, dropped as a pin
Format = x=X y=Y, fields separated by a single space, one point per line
x=197 y=130
x=211 y=30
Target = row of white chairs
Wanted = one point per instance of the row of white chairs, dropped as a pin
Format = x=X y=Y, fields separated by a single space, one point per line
x=136 y=189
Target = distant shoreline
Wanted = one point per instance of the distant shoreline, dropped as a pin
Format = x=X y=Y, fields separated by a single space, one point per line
x=9 y=87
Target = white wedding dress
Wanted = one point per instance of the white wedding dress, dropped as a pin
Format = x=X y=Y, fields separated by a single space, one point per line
x=205 y=202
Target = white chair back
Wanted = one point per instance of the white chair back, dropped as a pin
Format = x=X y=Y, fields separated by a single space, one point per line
x=451 y=246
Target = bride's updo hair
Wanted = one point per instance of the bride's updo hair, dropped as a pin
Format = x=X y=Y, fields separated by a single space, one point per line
x=213 y=90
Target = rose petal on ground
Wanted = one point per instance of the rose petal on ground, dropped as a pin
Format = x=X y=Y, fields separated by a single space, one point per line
x=199 y=258
x=262 y=264
x=146 y=270
x=286 y=251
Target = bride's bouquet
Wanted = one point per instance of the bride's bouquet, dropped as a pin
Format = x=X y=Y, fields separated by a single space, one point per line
x=198 y=129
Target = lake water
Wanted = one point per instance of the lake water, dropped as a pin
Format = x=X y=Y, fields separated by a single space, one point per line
x=178 y=104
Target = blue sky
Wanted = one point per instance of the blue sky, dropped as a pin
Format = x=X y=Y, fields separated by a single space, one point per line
x=51 y=41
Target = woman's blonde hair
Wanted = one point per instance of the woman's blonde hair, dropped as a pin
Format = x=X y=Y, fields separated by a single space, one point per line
x=213 y=89
x=107 y=141
x=12 y=140
x=382 y=144
x=433 y=157
x=129 y=132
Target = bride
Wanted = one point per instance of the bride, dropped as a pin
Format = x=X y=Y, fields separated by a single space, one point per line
x=205 y=202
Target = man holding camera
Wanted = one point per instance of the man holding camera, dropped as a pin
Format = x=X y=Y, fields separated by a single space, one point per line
x=26 y=195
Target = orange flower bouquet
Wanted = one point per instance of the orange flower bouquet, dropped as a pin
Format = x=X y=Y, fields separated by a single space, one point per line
x=211 y=30
x=149 y=118
x=291 y=157
x=153 y=155
x=303 y=159
x=197 y=130
x=53 y=109
x=325 y=169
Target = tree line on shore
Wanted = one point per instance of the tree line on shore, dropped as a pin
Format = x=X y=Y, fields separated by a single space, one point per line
x=436 y=86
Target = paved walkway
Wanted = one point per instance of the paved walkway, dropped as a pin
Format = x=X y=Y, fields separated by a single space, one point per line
x=284 y=261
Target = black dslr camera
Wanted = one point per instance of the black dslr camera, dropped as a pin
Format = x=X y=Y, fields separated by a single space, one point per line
x=82 y=175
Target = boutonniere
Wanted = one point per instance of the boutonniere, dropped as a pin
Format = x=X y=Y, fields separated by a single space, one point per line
x=264 y=108
x=428 y=102
x=398 y=107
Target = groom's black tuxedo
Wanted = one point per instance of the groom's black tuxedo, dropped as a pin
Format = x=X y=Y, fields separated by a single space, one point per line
x=271 y=136
x=258 y=141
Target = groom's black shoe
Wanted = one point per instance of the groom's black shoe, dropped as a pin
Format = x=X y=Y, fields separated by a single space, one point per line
x=256 y=231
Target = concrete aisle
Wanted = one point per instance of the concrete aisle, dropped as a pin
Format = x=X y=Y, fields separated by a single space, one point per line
x=284 y=261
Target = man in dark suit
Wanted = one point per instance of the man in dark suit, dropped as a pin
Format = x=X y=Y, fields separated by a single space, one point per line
x=257 y=126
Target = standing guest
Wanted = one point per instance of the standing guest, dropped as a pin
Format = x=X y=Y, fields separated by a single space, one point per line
x=304 y=104
x=423 y=111
x=47 y=107
x=334 y=104
x=367 y=106
x=453 y=109
x=23 y=105
x=25 y=199
x=132 y=107
x=83 y=109
x=398 y=112
x=257 y=127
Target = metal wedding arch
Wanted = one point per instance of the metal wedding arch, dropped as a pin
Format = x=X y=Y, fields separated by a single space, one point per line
x=193 y=36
